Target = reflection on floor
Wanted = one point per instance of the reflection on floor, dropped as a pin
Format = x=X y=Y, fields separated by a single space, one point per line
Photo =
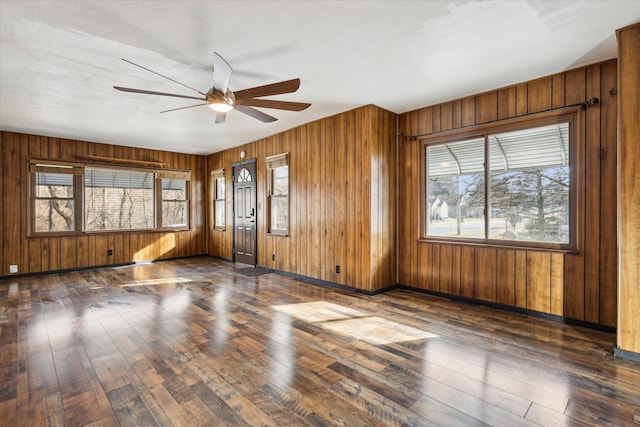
x=352 y=323
x=189 y=342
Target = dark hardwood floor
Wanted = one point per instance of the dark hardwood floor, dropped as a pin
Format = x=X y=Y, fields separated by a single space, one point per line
x=192 y=342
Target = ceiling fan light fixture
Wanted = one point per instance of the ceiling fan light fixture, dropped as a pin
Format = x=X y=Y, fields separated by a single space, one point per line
x=221 y=107
x=222 y=100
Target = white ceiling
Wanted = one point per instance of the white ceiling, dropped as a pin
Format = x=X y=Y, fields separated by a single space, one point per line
x=59 y=60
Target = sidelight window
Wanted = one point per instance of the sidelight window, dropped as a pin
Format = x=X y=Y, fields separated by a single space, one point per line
x=218 y=197
x=278 y=194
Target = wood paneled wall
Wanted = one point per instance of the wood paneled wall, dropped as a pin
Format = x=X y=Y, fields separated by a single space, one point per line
x=342 y=172
x=629 y=214
x=43 y=254
x=580 y=286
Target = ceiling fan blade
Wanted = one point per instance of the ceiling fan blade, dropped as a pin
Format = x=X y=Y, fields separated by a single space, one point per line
x=183 y=108
x=221 y=73
x=221 y=117
x=165 y=77
x=151 y=92
x=249 y=111
x=272 y=103
x=279 y=88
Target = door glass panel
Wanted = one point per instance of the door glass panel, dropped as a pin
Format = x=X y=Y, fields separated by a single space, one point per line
x=244 y=175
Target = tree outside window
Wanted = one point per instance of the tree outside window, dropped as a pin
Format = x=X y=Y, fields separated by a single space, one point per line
x=118 y=199
x=175 y=202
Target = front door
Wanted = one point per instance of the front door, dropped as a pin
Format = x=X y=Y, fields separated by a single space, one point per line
x=244 y=221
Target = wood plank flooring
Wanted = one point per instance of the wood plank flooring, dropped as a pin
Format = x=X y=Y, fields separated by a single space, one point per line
x=191 y=342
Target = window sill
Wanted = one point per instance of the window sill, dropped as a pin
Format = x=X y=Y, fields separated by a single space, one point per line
x=101 y=232
x=278 y=234
x=500 y=245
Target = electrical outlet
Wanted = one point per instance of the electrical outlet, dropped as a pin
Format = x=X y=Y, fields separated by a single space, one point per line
x=273 y=257
x=337 y=269
x=110 y=252
x=13 y=268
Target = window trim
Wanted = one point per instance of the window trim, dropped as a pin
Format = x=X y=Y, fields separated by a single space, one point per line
x=575 y=118
x=215 y=175
x=177 y=175
x=78 y=169
x=154 y=193
x=53 y=166
x=273 y=162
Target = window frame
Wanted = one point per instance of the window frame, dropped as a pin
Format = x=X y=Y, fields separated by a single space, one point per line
x=216 y=175
x=154 y=201
x=159 y=205
x=272 y=163
x=79 y=172
x=52 y=166
x=575 y=119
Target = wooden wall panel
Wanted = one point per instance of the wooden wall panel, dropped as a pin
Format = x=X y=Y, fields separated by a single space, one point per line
x=578 y=285
x=342 y=196
x=11 y=189
x=405 y=230
x=487 y=107
x=521 y=99
x=468 y=111
x=23 y=202
x=3 y=269
x=538 y=281
x=506 y=277
x=424 y=269
x=436 y=118
x=383 y=186
x=574 y=278
x=557 y=91
x=592 y=199
x=446 y=116
x=629 y=176
x=506 y=103
x=446 y=269
x=467 y=272
x=540 y=95
x=557 y=287
x=43 y=254
x=485 y=272
x=608 y=196
x=434 y=271
x=521 y=279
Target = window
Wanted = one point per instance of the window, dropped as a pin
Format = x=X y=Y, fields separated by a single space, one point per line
x=218 y=196
x=55 y=197
x=509 y=184
x=175 y=199
x=75 y=198
x=278 y=194
x=118 y=199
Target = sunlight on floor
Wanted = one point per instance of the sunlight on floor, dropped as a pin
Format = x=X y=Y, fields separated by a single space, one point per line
x=353 y=323
x=155 y=282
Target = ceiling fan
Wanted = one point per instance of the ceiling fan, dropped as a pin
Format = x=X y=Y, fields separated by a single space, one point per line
x=222 y=99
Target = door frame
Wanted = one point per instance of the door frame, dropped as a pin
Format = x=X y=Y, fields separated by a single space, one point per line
x=255 y=195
